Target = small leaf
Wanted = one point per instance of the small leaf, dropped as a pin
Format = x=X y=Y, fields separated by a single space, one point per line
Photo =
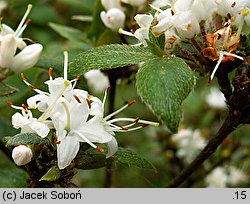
x=132 y=159
x=13 y=177
x=68 y=32
x=26 y=139
x=6 y=89
x=163 y=84
x=109 y=56
x=52 y=174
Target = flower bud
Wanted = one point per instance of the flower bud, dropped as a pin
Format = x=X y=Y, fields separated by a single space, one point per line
x=22 y=155
x=114 y=18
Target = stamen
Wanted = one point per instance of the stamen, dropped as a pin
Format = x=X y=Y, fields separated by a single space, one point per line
x=105 y=97
x=68 y=115
x=88 y=141
x=58 y=142
x=217 y=65
x=233 y=4
x=66 y=59
x=144 y=125
x=9 y=102
x=119 y=110
x=23 y=19
x=23 y=28
x=13 y=106
x=137 y=120
x=124 y=32
x=25 y=107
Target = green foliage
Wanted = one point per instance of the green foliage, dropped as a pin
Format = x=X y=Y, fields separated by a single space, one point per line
x=68 y=32
x=163 y=84
x=13 y=177
x=6 y=89
x=132 y=159
x=52 y=174
x=26 y=139
x=107 y=57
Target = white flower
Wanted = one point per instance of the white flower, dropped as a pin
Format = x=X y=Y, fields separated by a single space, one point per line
x=108 y=4
x=108 y=124
x=28 y=123
x=217 y=178
x=188 y=143
x=22 y=155
x=203 y=9
x=114 y=18
x=236 y=176
x=97 y=80
x=134 y=2
x=215 y=99
x=9 y=42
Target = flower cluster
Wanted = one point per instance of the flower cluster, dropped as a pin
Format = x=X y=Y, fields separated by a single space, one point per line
x=15 y=54
x=74 y=115
x=216 y=23
x=188 y=143
x=225 y=176
x=114 y=17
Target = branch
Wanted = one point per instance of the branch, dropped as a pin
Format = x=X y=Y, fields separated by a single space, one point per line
x=229 y=125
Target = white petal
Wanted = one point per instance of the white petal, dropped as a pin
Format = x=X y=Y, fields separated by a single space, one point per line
x=144 y=20
x=27 y=58
x=112 y=147
x=18 y=120
x=67 y=151
x=96 y=107
x=40 y=128
x=34 y=101
x=7 y=50
x=95 y=133
x=108 y=4
x=134 y=2
x=142 y=34
x=5 y=30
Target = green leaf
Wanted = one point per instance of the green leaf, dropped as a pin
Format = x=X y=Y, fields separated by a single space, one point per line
x=13 y=177
x=26 y=139
x=163 y=84
x=52 y=174
x=108 y=37
x=68 y=32
x=109 y=56
x=6 y=89
x=89 y=159
x=132 y=159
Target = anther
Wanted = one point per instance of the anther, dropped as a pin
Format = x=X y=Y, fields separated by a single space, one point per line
x=89 y=104
x=50 y=71
x=233 y=4
x=32 y=87
x=23 y=78
x=9 y=102
x=58 y=142
x=229 y=16
x=25 y=107
x=131 y=103
x=27 y=22
x=100 y=149
x=136 y=120
x=172 y=12
x=144 y=125
x=77 y=98
x=123 y=128
x=66 y=83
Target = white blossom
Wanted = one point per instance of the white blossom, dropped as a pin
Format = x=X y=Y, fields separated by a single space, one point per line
x=97 y=80
x=114 y=18
x=236 y=176
x=188 y=143
x=217 y=178
x=108 y=4
x=22 y=155
x=215 y=99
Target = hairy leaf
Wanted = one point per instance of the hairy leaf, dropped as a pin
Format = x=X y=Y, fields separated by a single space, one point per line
x=6 y=89
x=132 y=159
x=107 y=57
x=52 y=174
x=26 y=139
x=163 y=84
